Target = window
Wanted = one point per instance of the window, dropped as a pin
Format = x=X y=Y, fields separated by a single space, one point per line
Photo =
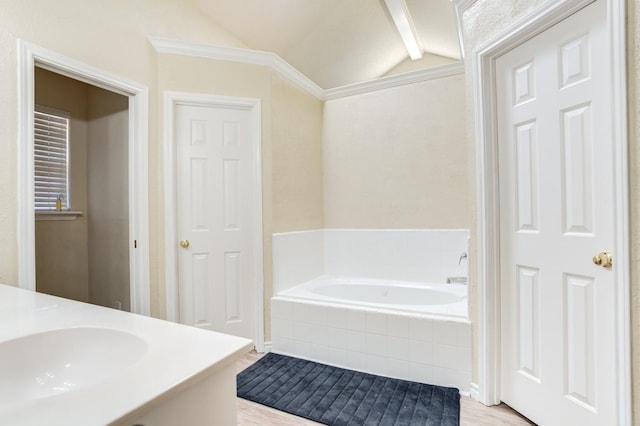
x=51 y=158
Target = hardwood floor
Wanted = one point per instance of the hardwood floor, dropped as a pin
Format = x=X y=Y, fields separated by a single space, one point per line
x=472 y=413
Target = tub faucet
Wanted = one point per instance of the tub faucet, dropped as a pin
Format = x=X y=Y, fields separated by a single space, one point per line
x=459 y=280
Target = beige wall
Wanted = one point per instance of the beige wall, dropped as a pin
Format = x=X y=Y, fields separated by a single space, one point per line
x=396 y=158
x=110 y=36
x=297 y=158
x=61 y=246
x=483 y=20
x=108 y=203
x=291 y=144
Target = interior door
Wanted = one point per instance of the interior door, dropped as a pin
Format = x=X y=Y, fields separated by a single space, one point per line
x=556 y=213
x=214 y=183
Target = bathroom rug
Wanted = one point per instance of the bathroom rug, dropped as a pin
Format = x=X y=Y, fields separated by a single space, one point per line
x=337 y=396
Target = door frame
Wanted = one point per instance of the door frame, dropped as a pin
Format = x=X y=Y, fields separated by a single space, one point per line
x=253 y=105
x=30 y=56
x=487 y=389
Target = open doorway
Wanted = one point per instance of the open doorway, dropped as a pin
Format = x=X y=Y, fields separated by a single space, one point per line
x=82 y=250
x=31 y=57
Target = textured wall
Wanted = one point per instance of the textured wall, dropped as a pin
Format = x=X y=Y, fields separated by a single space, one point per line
x=396 y=158
x=296 y=132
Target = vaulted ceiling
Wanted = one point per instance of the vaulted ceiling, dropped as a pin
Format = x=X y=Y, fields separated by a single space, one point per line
x=339 y=42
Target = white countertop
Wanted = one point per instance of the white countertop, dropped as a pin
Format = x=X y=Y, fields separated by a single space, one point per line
x=177 y=356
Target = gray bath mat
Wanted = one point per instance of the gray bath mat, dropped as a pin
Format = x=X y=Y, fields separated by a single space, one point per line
x=335 y=396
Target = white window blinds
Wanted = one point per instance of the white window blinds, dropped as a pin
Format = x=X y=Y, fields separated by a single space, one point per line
x=51 y=158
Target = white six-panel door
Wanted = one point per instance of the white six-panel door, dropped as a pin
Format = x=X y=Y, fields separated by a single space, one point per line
x=556 y=213
x=214 y=177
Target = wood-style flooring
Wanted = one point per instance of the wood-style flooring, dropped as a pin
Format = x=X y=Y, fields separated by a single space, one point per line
x=472 y=413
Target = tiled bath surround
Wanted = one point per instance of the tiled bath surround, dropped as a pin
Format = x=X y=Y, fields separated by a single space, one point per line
x=397 y=254
x=422 y=348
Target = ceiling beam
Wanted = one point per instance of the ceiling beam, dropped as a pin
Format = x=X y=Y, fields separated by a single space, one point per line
x=404 y=23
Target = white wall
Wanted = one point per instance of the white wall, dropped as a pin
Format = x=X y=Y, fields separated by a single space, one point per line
x=298 y=257
x=419 y=255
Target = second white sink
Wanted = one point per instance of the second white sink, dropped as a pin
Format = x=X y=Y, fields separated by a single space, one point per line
x=58 y=361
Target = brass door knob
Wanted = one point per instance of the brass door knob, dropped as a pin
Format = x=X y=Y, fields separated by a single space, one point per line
x=603 y=259
x=184 y=243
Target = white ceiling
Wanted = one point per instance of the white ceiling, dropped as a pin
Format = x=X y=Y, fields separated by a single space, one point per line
x=338 y=42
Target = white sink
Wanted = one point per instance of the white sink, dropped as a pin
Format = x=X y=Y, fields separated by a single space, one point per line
x=58 y=361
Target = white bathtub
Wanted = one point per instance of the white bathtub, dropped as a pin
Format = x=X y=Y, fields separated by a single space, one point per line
x=409 y=330
x=447 y=300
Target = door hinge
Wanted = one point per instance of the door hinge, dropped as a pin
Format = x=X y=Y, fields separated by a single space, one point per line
x=135 y=243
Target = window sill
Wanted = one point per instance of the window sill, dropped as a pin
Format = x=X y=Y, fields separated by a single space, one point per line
x=58 y=215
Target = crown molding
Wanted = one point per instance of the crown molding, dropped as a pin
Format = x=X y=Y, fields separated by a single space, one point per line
x=234 y=54
x=275 y=62
x=382 y=83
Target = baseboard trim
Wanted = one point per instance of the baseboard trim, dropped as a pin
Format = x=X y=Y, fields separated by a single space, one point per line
x=474 y=391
